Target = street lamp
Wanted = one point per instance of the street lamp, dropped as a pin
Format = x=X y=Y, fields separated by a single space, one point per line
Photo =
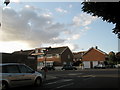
x=6 y=2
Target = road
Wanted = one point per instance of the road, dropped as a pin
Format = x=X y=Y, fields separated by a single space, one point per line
x=76 y=79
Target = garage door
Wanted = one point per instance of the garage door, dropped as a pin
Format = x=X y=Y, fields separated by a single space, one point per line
x=86 y=64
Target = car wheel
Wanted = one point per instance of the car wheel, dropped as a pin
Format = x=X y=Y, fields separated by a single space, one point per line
x=4 y=86
x=38 y=82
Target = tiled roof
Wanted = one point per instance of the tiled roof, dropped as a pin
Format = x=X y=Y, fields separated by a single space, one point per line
x=25 y=52
x=79 y=54
x=57 y=50
x=95 y=49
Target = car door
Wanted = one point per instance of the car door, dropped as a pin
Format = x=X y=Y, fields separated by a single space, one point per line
x=13 y=75
x=28 y=75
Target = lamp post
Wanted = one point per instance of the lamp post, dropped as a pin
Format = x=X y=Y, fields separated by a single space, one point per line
x=45 y=53
x=45 y=68
x=6 y=2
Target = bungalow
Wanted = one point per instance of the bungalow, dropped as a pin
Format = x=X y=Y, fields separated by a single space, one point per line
x=93 y=57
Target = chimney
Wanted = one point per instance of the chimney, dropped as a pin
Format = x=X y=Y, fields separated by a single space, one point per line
x=96 y=47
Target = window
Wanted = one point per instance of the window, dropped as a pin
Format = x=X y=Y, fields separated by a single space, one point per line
x=11 y=69
x=68 y=56
x=24 y=69
x=3 y=69
x=40 y=56
x=49 y=55
x=55 y=55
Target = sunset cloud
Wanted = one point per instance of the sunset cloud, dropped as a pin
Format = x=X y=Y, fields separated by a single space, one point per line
x=33 y=26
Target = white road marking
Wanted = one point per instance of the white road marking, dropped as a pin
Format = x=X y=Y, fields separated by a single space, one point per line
x=88 y=77
x=75 y=74
x=65 y=85
x=59 y=81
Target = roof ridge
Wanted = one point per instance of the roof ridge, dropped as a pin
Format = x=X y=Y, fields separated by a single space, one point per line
x=95 y=49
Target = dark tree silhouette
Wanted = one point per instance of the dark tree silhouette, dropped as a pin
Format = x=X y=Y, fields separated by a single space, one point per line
x=108 y=11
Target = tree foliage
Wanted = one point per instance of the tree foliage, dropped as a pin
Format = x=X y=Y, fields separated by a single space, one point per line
x=108 y=11
x=118 y=57
x=112 y=57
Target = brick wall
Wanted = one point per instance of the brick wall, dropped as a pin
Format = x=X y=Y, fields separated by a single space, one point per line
x=94 y=55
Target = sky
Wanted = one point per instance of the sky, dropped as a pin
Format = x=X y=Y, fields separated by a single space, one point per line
x=30 y=25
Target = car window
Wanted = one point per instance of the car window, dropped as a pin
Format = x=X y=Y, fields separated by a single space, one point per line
x=3 y=69
x=25 y=69
x=11 y=69
x=0 y=68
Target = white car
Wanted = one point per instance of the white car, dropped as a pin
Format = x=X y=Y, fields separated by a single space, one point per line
x=15 y=75
x=100 y=66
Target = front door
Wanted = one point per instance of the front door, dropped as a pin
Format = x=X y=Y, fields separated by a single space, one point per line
x=91 y=64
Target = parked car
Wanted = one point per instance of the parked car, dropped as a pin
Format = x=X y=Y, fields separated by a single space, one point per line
x=117 y=66
x=68 y=67
x=15 y=75
x=100 y=66
x=48 y=67
x=110 y=66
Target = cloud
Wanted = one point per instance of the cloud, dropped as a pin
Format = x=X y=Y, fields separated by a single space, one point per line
x=29 y=26
x=60 y=10
x=35 y=27
x=74 y=37
x=16 y=1
x=72 y=46
x=83 y=19
x=70 y=6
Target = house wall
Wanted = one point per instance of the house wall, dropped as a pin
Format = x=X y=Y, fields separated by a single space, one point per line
x=95 y=63
x=86 y=64
x=92 y=58
x=90 y=64
x=94 y=55
x=67 y=57
x=56 y=60
x=49 y=59
x=59 y=59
